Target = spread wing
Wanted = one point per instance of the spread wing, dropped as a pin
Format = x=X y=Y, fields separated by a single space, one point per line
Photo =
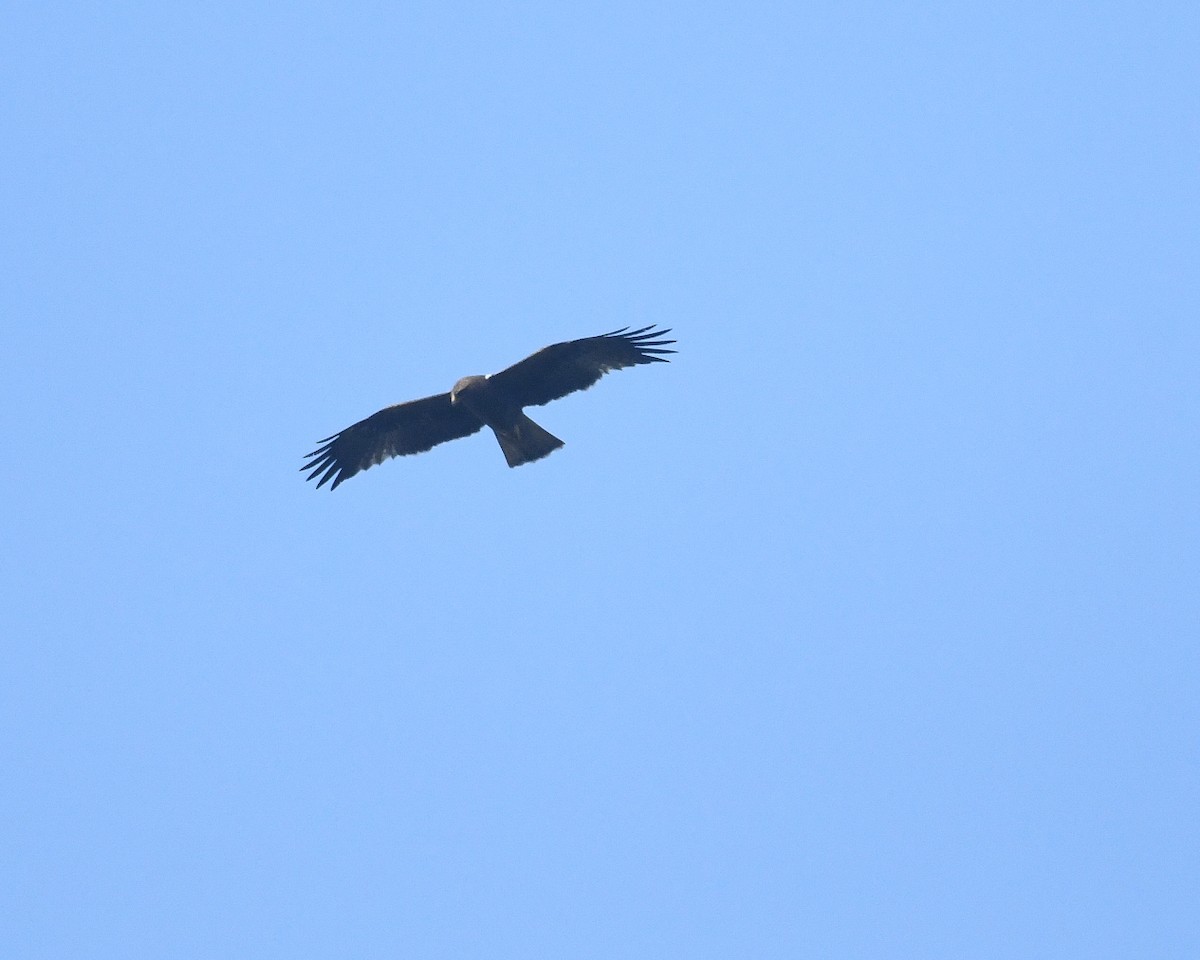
x=392 y=432
x=563 y=368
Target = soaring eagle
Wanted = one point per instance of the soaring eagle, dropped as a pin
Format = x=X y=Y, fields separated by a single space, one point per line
x=495 y=401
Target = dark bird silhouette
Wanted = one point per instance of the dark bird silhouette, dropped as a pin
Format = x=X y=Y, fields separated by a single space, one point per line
x=496 y=401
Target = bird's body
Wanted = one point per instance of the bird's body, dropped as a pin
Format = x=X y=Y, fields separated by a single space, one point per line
x=497 y=402
x=522 y=440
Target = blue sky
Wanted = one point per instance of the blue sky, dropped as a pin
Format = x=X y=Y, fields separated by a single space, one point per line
x=866 y=628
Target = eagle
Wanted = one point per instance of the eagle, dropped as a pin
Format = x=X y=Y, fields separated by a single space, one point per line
x=496 y=401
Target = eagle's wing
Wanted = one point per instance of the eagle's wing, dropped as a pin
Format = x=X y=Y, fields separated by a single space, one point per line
x=563 y=368
x=392 y=432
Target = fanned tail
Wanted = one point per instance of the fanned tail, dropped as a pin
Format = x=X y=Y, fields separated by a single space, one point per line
x=526 y=442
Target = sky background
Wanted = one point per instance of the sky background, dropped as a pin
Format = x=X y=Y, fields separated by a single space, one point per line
x=865 y=628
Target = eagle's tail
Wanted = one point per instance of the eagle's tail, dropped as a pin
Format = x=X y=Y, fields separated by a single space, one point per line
x=526 y=442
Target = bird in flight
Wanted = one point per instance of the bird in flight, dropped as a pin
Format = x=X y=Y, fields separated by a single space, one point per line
x=495 y=401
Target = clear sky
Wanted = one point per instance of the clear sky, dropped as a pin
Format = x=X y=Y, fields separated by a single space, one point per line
x=865 y=628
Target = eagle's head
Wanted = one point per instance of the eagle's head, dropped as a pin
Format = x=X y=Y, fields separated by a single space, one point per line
x=466 y=383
